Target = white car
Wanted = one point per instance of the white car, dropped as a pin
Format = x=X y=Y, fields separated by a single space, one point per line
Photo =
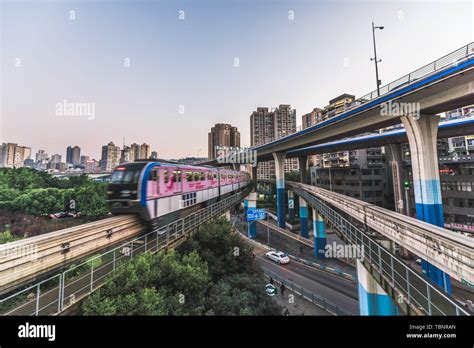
x=278 y=257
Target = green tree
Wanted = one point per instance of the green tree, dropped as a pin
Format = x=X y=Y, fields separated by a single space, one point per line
x=91 y=199
x=225 y=253
x=41 y=201
x=160 y=284
x=241 y=294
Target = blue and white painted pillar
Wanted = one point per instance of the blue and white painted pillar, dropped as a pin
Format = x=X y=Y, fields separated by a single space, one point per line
x=422 y=137
x=303 y=218
x=291 y=205
x=373 y=300
x=252 y=225
x=279 y=158
x=319 y=233
x=320 y=241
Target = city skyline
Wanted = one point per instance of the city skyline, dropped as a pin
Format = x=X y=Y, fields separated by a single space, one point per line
x=136 y=79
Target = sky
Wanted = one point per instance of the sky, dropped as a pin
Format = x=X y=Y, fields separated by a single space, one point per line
x=164 y=72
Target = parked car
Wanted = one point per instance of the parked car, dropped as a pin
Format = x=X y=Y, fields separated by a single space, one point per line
x=278 y=256
x=418 y=261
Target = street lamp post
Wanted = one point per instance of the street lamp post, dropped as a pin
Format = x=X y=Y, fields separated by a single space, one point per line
x=375 y=59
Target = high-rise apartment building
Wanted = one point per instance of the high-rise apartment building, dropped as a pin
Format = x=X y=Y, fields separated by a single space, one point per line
x=267 y=125
x=73 y=155
x=110 y=157
x=13 y=156
x=134 y=152
x=145 y=151
x=222 y=135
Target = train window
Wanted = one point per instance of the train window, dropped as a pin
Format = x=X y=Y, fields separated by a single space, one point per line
x=166 y=177
x=125 y=176
x=215 y=176
x=154 y=175
x=189 y=176
x=177 y=175
x=202 y=176
x=196 y=176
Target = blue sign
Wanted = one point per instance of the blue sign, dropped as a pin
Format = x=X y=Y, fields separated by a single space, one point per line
x=256 y=214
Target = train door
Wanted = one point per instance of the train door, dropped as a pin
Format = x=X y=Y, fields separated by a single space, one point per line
x=154 y=182
x=178 y=179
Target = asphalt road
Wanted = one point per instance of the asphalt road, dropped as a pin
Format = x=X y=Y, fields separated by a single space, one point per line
x=339 y=291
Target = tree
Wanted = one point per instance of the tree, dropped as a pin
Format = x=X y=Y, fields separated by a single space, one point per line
x=91 y=199
x=41 y=201
x=241 y=294
x=225 y=253
x=153 y=284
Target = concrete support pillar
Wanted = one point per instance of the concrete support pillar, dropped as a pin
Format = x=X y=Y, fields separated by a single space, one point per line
x=253 y=174
x=422 y=136
x=303 y=218
x=396 y=169
x=373 y=300
x=319 y=231
x=303 y=165
x=291 y=205
x=279 y=158
x=252 y=204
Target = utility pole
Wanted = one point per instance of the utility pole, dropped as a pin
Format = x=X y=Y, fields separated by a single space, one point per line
x=375 y=58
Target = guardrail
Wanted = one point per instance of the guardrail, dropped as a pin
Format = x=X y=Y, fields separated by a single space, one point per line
x=306 y=294
x=22 y=260
x=451 y=59
x=413 y=289
x=61 y=291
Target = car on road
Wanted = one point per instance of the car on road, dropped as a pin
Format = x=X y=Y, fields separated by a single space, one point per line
x=278 y=256
x=418 y=261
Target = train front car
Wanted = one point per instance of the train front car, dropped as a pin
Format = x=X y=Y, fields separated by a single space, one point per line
x=123 y=191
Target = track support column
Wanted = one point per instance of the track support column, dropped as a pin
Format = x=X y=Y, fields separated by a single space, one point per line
x=422 y=136
x=303 y=218
x=252 y=225
x=373 y=300
x=319 y=231
x=291 y=205
x=279 y=158
x=303 y=166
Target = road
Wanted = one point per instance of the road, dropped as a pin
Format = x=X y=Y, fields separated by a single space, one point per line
x=339 y=291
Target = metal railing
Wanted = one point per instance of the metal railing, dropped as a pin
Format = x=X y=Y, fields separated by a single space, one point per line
x=61 y=291
x=413 y=289
x=451 y=59
x=306 y=294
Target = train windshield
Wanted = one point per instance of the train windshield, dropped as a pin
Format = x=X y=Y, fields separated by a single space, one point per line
x=121 y=176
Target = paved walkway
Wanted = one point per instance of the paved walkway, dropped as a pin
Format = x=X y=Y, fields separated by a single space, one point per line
x=297 y=305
